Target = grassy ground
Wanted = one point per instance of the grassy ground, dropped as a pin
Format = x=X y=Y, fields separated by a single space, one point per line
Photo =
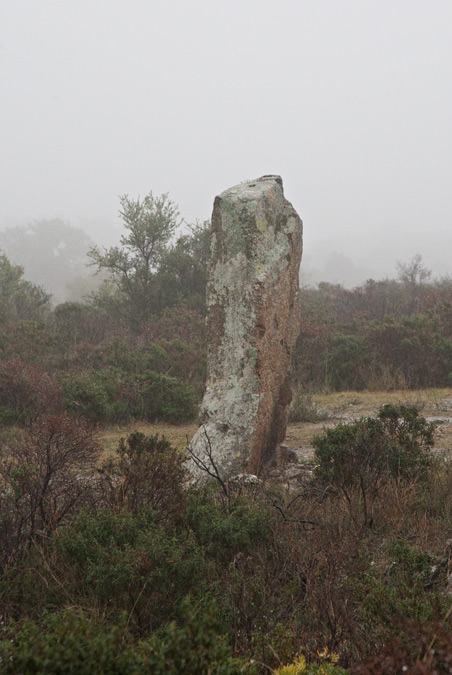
x=345 y=406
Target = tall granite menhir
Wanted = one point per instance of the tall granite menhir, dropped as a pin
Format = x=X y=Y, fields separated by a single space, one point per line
x=253 y=323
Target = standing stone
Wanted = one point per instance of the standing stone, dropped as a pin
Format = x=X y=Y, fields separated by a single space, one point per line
x=253 y=324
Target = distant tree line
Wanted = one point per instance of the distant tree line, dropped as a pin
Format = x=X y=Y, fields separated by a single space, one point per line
x=387 y=334
x=136 y=347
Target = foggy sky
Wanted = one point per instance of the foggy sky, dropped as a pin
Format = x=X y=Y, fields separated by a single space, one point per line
x=350 y=101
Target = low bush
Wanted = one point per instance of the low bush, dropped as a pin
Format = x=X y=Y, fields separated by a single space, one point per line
x=68 y=642
x=145 y=473
x=151 y=575
x=358 y=459
x=166 y=398
x=72 y=642
x=123 y=562
x=112 y=396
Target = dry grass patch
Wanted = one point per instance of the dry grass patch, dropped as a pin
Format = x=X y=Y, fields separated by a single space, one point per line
x=344 y=406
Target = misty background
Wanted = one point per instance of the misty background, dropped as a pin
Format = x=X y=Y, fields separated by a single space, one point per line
x=350 y=101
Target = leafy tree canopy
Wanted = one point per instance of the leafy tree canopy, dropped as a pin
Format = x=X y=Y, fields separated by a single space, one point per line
x=146 y=273
x=20 y=299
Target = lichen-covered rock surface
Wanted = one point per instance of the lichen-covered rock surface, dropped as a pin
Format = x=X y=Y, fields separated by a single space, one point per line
x=253 y=324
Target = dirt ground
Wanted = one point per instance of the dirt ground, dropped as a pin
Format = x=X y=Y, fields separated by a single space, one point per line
x=348 y=406
x=434 y=404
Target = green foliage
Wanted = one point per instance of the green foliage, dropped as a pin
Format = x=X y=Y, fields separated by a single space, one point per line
x=364 y=455
x=146 y=473
x=225 y=532
x=125 y=562
x=73 y=643
x=20 y=299
x=346 y=358
x=167 y=398
x=397 y=592
x=183 y=274
x=149 y=223
x=69 y=643
x=113 y=396
x=91 y=396
x=195 y=647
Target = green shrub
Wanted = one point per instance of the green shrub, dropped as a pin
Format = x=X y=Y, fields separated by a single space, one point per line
x=363 y=456
x=197 y=647
x=347 y=358
x=123 y=562
x=166 y=398
x=71 y=643
x=146 y=473
x=86 y=395
x=67 y=643
x=226 y=532
x=113 y=396
x=397 y=592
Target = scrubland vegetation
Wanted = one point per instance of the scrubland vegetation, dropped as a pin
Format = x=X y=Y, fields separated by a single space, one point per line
x=110 y=562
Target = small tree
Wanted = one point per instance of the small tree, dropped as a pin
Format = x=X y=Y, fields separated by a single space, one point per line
x=44 y=476
x=413 y=277
x=414 y=273
x=20 y=299
x=132 y=268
